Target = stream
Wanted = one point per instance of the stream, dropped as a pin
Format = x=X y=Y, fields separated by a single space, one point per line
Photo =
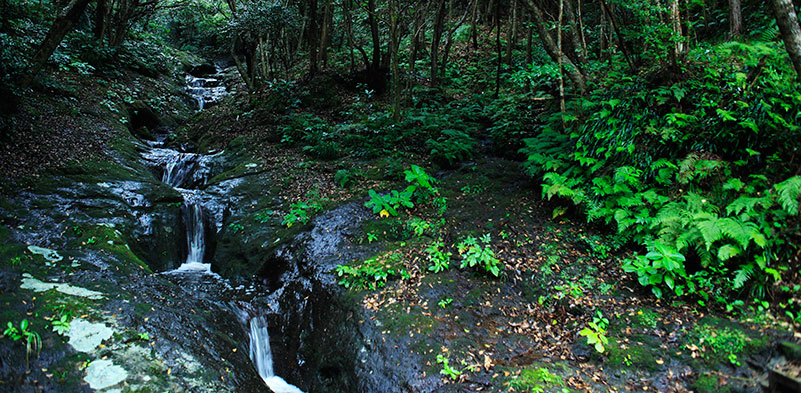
x=202 y=216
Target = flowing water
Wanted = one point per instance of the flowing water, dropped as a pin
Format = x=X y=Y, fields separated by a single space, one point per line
x=188 y=173
x=262 y=357
x=205 y=91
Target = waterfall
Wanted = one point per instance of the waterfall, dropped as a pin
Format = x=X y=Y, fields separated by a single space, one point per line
x=195 y=238
x=262 y=357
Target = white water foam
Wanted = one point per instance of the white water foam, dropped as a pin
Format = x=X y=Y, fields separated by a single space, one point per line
x=262 y=357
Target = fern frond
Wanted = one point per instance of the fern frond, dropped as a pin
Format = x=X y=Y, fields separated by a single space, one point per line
x=728 y=251
x=743 y=275
x=789 y=192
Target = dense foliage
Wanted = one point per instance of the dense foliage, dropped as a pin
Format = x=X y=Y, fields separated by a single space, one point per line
x=668 y=122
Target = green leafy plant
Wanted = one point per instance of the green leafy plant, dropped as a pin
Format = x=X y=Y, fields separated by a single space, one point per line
x=447 y=369
x=61 y=325
x=418 y=226
x=371 y=274
x=595 y=337
x=33 y=342
x=388 y=204
x=452 y=147
x=444 y=303
x=475 y=253
x=263 y=216
x=235 y=227
x=344 y=178
x=144 y=336
x=661 y=264
x=299 y=212
x=420 y=190
x=371 y=237
x=440 y=260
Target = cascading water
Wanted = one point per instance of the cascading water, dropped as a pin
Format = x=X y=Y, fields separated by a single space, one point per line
x=262 y=357
x=184 y=171
x=195 y=236
x=204 y=90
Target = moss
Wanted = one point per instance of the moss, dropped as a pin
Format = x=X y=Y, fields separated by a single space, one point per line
x=388 y=229
x=110 y=240
x=637 y=355
x=726 y=341
x=400 y=322
x=708 y=383
x=645 y=318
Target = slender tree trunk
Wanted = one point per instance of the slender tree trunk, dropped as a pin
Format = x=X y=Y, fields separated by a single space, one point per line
x=787 y=20
x=559 y=48
x=621 y=43
x=324 y=39
x=449 y=40
x=602 y=41
x=439 y=21
x=581 y=30
x=394 y=43
x=474 y=26
x=101 y=18
x=575 y=33
x=510 y=44
x=529 y=40
x=735 y=20
x=312 y=38
x=371 y=20
x=64 y=22
x=675 y=23
x=240 y=67
x=498 y=48
x=553 y=51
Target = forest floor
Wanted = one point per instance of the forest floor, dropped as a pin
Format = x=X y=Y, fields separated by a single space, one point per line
x=521 y=331
x=517 y=332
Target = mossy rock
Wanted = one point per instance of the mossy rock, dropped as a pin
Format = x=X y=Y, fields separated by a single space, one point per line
x=726 y=341
x=387 y=229
x=708 y=383
x=636 y=355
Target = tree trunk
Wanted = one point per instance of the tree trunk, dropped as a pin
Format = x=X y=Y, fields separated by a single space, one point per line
x=312 y=37
x=439 y=21
x=575 y=33
x=787 y=20
x=449 y=40
x=498 y=48
x=553 y=51
x=324 y=39
x=735 y=20
x=371 y=20
x=675 y=24
x=394 y=46
x=622 y=44
x=101 y=20
x=559 y=48
x=512 y=33
x=64 y=22
x=474 y=26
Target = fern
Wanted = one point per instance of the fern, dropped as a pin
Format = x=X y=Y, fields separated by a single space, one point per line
x=742 y=232
x=728 y=251
x=743 y=275
x=747 y=204
x=707 y=224
x=789 y=192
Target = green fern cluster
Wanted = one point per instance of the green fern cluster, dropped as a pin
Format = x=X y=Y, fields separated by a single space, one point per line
x=701 y=186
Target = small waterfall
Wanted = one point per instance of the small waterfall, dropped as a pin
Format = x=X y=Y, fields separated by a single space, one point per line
x=262 y=357
x=204 y=90
x=195 y=237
